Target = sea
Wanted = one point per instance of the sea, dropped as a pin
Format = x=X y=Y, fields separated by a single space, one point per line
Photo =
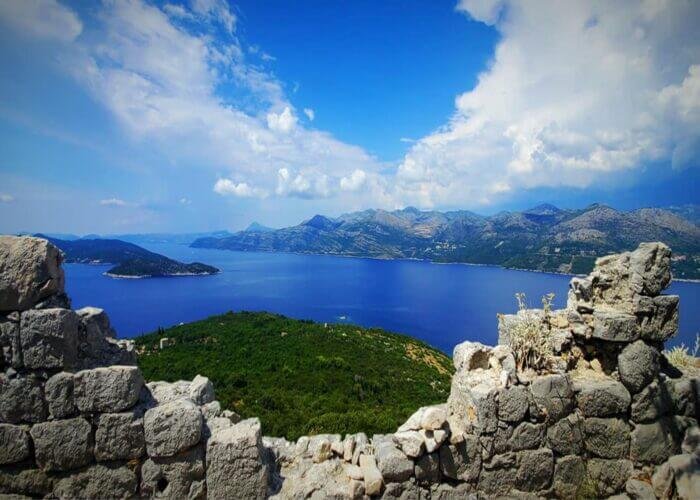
x=441 y=304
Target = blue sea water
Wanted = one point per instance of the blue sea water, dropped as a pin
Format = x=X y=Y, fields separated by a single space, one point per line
x=442 y=304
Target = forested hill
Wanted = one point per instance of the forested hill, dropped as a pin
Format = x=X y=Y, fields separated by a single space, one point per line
x=543 y=238
x=302 y=377
x=129 y=260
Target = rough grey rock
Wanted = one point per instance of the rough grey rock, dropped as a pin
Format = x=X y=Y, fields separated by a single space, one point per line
x=165 y=392
x=535 y=468
x=469 y=356
x=652 y=402
x=28 y=482
x=119 y=436
x=602 y=398
x=606 y=437
x=172 y=427
x=98 y=481
x=14 y=444
x=657 y=317
x=566 y=436
x=97 y=344
x=10 y=347
x=569 y=472
x=655 y=442
x=433 y=418
x=461 y=461
x=59 y=395
x=372 y=477
x=650 y=268
x=472 y=402
x=428 y=468
x=498 y=476
x=639 y=490
x=527 y=436
x=49 y=338
x=553 y=393
x=176 y=477
x=30 y=271
x=607 y=477
x=638 y=365
x=683 y=394
x=108 y=389
x=21 y=399
x=393 y=464
x=201 y=390
x=513 y=403
x=235 y=467
x=411 y=443
x=614 y=326
x=63 y=444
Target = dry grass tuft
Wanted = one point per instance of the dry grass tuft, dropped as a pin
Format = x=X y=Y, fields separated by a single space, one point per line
x=530 y=335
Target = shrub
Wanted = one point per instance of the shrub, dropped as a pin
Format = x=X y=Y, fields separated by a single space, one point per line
x=529 y=335
x=681 y=357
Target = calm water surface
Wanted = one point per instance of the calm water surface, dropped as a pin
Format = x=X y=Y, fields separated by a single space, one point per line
x=442 y=304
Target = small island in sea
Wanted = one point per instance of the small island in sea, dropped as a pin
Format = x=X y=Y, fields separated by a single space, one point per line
x=130 y=261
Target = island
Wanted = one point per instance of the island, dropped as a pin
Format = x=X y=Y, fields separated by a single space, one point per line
x=129 y=260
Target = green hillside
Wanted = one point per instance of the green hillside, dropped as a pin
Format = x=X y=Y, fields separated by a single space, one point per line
x=302 y=377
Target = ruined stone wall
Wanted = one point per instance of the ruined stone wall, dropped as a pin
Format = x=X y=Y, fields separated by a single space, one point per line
x=602 y=414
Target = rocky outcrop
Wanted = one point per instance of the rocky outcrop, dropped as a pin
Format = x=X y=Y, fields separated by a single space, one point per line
x=603 y=415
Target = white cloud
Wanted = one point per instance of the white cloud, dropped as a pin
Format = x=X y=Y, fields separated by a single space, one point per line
x=309 y=114
x=113 y=202
x=185 y=201
x=576 y=91
x=306 y=184
x=281 y=122
x=6 y=198
x=407 y=140
x=242 y=189
x=43 y=19
x=354 y=181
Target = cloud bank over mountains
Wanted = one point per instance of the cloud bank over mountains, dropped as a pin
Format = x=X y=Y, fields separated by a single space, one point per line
x=576 y=91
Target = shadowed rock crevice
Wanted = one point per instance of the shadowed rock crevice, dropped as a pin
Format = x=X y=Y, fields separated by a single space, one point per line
x=602 y=413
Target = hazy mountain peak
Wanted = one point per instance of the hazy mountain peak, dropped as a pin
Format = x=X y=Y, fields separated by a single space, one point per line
x=543 y=209
x=255 y=227
x=321 y=222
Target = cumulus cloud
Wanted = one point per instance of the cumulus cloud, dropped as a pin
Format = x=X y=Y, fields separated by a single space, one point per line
x=305 y=184
x=309 y=114
x=576 y=91
x=185 y=201
x=43 y=19
x=113 y=202
x=354 y=181
x=6 y=198
x=241 y=189
x=281 y=122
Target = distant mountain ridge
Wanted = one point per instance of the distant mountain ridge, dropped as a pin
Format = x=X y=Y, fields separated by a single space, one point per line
x=544 y=238
x=130 y=260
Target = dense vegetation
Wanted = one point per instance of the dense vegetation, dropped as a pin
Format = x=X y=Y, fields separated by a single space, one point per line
x=302 y=377
x=129 y=259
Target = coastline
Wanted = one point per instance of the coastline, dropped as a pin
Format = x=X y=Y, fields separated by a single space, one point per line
x=172 y=275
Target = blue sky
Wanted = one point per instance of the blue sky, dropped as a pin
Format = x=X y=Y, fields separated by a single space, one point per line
x=194 y=115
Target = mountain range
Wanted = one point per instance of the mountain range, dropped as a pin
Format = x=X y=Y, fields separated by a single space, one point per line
x=129 y=260
x=544 y=238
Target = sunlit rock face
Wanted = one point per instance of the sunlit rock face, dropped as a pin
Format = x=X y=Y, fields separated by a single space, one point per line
x=598 y=411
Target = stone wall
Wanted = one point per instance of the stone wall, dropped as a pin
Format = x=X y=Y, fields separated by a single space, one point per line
x=604 y=414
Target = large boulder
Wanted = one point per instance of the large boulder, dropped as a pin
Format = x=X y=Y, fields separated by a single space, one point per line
x=235 y=465
x=119 y=436
x=607 y=437
x=172 y=427
x=601 y=397
x=638 y=365
x=108 y=389
x=49 y=338
x=30 y=271
x=63 y=444
x=394 y=465
x=554 y=395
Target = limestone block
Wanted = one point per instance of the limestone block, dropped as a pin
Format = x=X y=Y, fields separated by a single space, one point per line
x=119 y=436
x=97 y=344
x=98 y=481
x=235 y=467
x=176 y=477
x=63 y=444
x=566 y=436
x=59 y=395
x=469 y=356
x=535 y=468
x=49 y=338
x=428 y=468
x=473 y=402
x=433 y=417
x=30 y=271
x=607 y=477
x=201 y=390
x=513 y=403
x=498 y=476
x=657 y=317
x=14 y=444
x=601 y=398
x=433 y=439
x=172 y=427
x=21 y=399
x=614 y=326
x=165 y=392
x=393 y=464
x=109 y=389
x=461 y=461
x=527 y=436
x=553 y=393
x=650 y=268
x=569 y=472
x=638 y=365
x=372 y=475
x=606 y=437
x=10 y=346
x=411 y=443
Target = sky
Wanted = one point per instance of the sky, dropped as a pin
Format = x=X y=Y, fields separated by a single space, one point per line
x=196 y=115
